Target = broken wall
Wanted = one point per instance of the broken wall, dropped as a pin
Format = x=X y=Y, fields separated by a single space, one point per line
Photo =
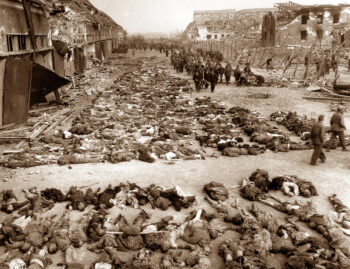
x=315 y=28
x=12 y=22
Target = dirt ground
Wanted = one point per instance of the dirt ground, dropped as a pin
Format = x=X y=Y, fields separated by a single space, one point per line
x=330 y=177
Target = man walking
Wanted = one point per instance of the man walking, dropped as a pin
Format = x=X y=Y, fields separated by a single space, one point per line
x=317 y=137
x=337 y=128
x=228 y=72
x=197 y=78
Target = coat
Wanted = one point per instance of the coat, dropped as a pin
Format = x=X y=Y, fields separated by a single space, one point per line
x=317 y=133
x=337 y=122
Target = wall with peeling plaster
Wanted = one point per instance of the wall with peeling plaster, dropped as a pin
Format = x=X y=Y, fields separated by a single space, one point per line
x=320 y=35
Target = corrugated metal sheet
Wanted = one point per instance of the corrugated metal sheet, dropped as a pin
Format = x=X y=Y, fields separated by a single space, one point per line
x=13 y=20
x=44 y=81
x=41 y=24
x=59 y=63
x=16 y=93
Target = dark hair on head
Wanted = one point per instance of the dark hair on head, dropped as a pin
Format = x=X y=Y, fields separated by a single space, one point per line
x=321 y=117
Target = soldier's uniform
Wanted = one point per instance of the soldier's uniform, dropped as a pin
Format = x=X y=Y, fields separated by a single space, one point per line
x=317 y=137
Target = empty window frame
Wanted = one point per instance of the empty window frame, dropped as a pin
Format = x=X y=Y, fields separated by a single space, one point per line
x=303 y=35
x=320 y=19
x=9 y=42
x=41 y=41
x=22 y=42
x=336 y=17
x=304 y=19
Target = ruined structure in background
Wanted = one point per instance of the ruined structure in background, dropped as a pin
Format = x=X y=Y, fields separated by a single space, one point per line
x=248 y=22
x=319 y=25
x=41 y=42
x=268 y=30
x=287 y=24
x=85 y=30
x=212 y=24
x=226 y=24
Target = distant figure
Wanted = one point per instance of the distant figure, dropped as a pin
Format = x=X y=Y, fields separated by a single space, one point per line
x=220 y=70
x=213 y=79
x=337 y=129
x=317 y=138
x=247 y=69
x=269 y=64
x=228 y=73
x=197 y=78
x=237 y=73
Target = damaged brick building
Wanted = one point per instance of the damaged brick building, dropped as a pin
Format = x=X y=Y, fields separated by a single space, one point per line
x=317 y=25
x=225 y=24
x=41 y=43
x=84 y=29
x=212 y=24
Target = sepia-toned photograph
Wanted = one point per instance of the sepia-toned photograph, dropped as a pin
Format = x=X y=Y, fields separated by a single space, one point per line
x=165 y=134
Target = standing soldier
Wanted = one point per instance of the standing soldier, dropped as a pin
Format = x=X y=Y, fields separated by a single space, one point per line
x=213 y=79
x=228 y=72
x=237 y=73
x=317 y=138
x=197 y=78
x=220 y=70
x=337 y=128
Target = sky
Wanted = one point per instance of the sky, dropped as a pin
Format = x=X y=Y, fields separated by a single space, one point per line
x=169 y=16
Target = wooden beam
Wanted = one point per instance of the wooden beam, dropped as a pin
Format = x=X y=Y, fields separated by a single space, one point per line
x=23 y=128
x=326 y=99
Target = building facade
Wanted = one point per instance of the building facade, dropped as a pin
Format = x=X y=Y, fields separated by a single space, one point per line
x=25 y=39
x=44 y=42
x=320 y=25
x=211 y=24
x=225 y=24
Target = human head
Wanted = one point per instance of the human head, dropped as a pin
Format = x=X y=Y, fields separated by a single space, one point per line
x=340 y=109
x=321 y=118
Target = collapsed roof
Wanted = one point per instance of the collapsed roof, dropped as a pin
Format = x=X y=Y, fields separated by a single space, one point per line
x=290 y=10
x=68 y=17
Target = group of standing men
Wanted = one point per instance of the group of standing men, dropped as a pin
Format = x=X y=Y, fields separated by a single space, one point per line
x=207 y=70
x=204 y=69
x=318 y=135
